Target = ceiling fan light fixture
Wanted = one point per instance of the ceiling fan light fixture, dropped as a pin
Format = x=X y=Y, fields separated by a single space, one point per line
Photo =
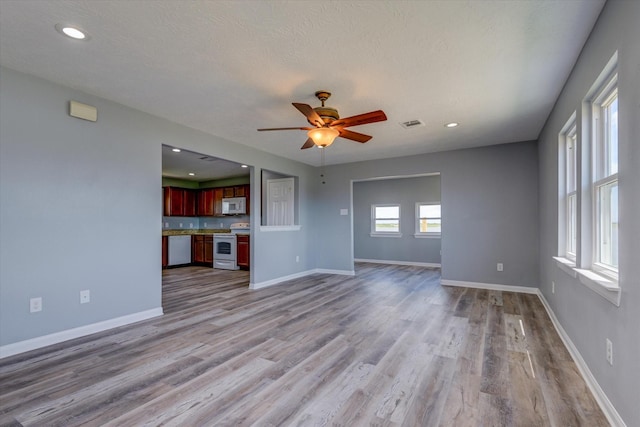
x=323 y=137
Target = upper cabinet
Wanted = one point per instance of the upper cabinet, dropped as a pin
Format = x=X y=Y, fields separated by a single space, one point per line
x=204 y=202
x=179 y=202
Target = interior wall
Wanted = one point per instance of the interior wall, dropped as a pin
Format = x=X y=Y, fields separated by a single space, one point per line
x=588 y=318
x=81 y=208
x=405 y=192
x=489 y=202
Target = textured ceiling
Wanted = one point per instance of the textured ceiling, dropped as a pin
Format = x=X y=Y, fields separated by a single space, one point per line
x=230 y=67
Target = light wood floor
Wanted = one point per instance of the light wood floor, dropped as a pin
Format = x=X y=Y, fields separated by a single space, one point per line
x=388 y=347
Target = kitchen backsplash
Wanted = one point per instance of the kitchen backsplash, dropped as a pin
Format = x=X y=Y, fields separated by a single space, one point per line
x=203 y=222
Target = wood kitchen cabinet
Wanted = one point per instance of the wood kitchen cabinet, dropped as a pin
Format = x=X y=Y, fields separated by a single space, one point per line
x=179 y=202
x=165 y=251
x=218 y=194
x=228 y=192
x=242 y=251
x=173 y=201
x=202 y=250
x=206 y=200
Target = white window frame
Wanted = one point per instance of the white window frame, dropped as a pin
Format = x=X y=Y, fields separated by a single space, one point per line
x=375 y=233
x=568 y=191
x=591 y=178
x=601 y=176
x=428 y=234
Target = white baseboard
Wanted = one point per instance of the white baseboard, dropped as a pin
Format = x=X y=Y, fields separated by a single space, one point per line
x=417 y=264
x=81 y=331
x=490 y=286
x=607 y=407
x=278 y=280
x=281 y=279
x=340 y=272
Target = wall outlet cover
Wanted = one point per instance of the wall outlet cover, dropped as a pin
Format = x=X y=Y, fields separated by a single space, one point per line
x=35 y=304
x=85 y=296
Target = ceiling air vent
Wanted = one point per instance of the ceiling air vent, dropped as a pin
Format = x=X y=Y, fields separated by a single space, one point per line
x=209 y=159
x=412 y=124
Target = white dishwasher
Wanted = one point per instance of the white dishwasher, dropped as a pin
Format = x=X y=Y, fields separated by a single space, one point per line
x=179 y=250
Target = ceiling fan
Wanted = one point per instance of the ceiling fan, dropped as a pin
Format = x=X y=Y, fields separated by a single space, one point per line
x=327 y=124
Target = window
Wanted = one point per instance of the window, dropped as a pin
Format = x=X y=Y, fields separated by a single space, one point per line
x=428 y=220
x=588 y=226
x=568 y=200
x=385 y=221
x=605 y=178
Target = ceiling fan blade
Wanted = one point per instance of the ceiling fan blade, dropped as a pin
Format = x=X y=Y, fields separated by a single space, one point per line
x=310 y=113
x=354 y=136
x=361 y=119
x=298 y=128
x=308 y=144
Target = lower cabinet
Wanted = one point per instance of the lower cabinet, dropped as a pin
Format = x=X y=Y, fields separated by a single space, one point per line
x=242 y=252
x=202 y=250
x=165 y=251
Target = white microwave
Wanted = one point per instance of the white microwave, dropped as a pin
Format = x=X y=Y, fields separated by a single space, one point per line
x=234 y=206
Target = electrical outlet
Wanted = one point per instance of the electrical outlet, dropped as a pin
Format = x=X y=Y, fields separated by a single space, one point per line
x=205 y=225
x=180 y=224
x=609 y=352
x=222 y=225
x=190 y=225
x=297 y=258
x=500 y=267
x=166 y=225
x=85 y=296
x=553 y=287
x=35 y=304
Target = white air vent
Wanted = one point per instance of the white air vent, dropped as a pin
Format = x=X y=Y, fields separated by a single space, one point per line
x=412 y=124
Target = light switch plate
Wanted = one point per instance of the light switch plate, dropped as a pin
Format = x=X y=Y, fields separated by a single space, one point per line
x=344 y=211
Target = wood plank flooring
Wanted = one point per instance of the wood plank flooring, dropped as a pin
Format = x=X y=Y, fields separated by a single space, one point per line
x=386 y=347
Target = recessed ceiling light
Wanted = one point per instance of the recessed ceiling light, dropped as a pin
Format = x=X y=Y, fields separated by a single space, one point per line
x=73 y=32
x=192 y=174
x=451 y=125
x=176 y=150
x=244 y=166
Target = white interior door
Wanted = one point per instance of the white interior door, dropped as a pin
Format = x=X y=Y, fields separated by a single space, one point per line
x=280 y=201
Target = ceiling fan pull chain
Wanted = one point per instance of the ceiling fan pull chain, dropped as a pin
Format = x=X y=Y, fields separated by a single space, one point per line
x=322 y=164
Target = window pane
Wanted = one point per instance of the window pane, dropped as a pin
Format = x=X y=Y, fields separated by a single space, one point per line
x=608 y=224
x=430 y=211
x=430 y=226
x=388 y=225
x=571 y=224
x=612 y=137
x=571 y=163
x=387 y=211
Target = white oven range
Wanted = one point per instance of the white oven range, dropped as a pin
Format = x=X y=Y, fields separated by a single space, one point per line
x=224 y=251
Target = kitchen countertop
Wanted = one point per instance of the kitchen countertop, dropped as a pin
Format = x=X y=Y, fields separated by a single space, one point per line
x=195 y=231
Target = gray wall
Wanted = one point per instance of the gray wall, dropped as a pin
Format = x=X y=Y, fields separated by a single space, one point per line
x=489 y=203
x=588 y=318
x=403 y=191
x=81 y=208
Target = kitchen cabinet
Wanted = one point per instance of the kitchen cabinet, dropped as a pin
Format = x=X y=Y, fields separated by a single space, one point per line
x=173 y=201
x=189 y=203
x=206 y=201
x=228 y=192
x=242 y=251
x=179 y=202
x=202 y=250
x=165 y=251
x=218 y=194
